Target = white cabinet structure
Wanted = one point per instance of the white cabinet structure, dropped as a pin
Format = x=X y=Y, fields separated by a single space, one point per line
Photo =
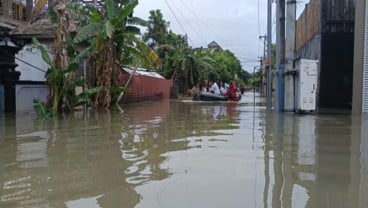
x=306 y=85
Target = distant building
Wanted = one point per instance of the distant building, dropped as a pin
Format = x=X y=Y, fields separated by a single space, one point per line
x=214 y=46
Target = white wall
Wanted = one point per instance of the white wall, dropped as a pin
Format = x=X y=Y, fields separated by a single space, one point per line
x=31 y=55
x=25 y=94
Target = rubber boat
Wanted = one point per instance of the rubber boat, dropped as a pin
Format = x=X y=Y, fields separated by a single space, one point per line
x=207 y=96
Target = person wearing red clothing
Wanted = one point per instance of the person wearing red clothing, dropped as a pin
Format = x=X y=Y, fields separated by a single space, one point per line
x=232 y=92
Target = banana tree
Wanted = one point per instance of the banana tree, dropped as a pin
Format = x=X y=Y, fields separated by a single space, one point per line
x=111 y=33
x=66 y=59
x=192 y=65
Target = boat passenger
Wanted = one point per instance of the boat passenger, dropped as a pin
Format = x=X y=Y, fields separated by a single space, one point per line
x=223 y=90
x=194 y=90
x=232 y=92
x=214 y=88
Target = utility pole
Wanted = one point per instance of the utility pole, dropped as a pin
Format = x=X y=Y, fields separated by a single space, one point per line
x=280 y=54
x=264 y=40
x=290 y=55
x=269 y=54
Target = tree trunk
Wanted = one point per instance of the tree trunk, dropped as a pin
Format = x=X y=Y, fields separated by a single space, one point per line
x=51 y=4
x=60 y=55
x=104 y=68
x=29 y=7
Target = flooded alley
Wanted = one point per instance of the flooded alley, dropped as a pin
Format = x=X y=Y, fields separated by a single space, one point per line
x=184 y=154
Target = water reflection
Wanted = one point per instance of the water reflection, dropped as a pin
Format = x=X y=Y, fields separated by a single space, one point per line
x=184 y=154
x=99 y=160
x=314 y=161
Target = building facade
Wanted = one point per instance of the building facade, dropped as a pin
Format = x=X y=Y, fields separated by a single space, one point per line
x=325 y=32
x=360 y=88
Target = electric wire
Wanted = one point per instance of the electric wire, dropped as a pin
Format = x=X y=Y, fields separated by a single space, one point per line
x=176 y=18
x=189 y=24
x=31 y=65
x=210 y=29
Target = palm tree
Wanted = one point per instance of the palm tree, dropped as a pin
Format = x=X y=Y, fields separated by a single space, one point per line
x=157 y=29
x=192 y=66
x=112 y=35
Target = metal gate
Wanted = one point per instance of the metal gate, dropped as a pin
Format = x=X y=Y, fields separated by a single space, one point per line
x=365 y=70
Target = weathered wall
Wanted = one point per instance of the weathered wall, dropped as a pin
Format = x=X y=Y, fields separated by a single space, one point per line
x=311 y=49
x=337 y=15
x=30 y=54
x=308 y=24
x=26 y=93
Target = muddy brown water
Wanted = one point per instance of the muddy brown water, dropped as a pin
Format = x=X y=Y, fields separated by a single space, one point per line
x=184 y=154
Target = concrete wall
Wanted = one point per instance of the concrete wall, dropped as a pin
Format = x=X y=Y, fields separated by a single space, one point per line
x=358 y=56
x=26 y=93
x=30 y=54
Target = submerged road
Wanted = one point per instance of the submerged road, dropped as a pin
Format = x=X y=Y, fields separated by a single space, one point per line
x=185 y=154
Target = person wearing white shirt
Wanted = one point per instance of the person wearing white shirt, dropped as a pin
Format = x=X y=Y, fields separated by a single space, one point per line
x=223 y=89
x=215 y=88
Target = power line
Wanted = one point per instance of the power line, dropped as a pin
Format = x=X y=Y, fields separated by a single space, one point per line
x=36 y=67
x=210 y=29
x=190 y=25
x=181 y=26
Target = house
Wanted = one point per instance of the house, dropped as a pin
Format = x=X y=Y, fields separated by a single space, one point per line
x=214 y=46
x=325 y=32
x=27 y=61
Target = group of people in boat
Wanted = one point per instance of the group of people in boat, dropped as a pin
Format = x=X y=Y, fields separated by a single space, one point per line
x=223 y=89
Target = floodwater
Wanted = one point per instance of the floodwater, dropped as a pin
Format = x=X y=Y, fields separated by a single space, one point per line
x=184 y=154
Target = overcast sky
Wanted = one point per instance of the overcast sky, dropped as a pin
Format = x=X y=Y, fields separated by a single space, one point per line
x=235 y=25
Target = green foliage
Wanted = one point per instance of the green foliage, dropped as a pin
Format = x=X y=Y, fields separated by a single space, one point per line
x=190 y=66
x=115 y=92
x=63 y=85
x=111 y=32
x=87 y=32
x=228 y=67
x=157 y=30
x=41 y=109
x=84 y=97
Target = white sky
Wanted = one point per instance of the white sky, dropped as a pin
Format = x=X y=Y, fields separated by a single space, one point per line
x=234 y=24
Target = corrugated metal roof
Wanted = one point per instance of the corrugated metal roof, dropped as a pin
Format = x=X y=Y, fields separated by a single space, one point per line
x=143 y=72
